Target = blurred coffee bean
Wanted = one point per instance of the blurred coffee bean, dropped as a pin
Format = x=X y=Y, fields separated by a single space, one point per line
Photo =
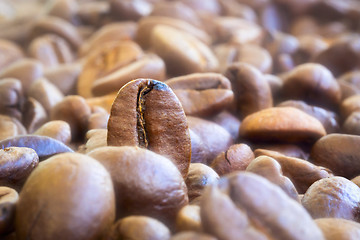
x=130 y=169
x=8 y=200
x=352 y=124
x=229 y=122
x=236 y=158
x=290 y=150
x=11 y=98
x=352 y=77
x=95 y=138
x=251 y=91
x=85 y=188
x=230 y=208
x=192 y=235
x=236 y=9
x=65 y=9
x=9 y=53
x=350 y=105
x=16 y=164
x=140 y=117
x=104 y=102
x=348 y=89
x=34 y=115
x=94 y=13
x=138 y=227
x=198 y=178
x=129 y=9
x=75 y=111
x=64 y=77
x=26 y=71
x=337 y=228
x=51 y=50
x=275 y=17
x=302 y=173
x=59 y=130
x=98 y=120
x=169 y=43
x=334 y=197
x=328 y=118
x=210 y=6
x=188 y=219
x=44 y=147
x=309 y=46
x=339 y=153
x=202 y=94
x=10 y=127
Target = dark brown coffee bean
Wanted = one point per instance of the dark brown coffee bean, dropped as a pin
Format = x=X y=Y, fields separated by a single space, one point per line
x=9 y=53
x=8 y=200
x=85 y=188
x=188 y=219
x=145 y=113
x=309 y=47
x=60 y=27
x=208 y=139
x=198 y=178
x=11 y=98
x=51 y=50
x=10 y=127
x=281 y=124
x=337 y=228
x=16 y=164
x=202 y=94
x=229 y=122
x=129 y=9
x=236 y=158
x=270 y=169
x=131 y=168
x=328 y=118
x=251 y=91
x=149 y=66
x=339 y=153
x=34 y=115
x=231 y=209
x=334 y=197
x=44 y=146
x=138 y=227
x=314 y=84
x=302 y=173
x=352 y=124
x=169 y=44
x=75 y=111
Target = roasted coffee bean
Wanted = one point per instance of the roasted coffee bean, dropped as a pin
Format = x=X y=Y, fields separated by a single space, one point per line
x=334 y=197
x=212 y=6
x=314 y=84
x=10 y=127
x=11 y=98
x=309 y=46
x=16 y=164
x=352 y=77
x=59 y=130
x=236 y=158
x=65 y=9
x=63 y=185
x=105 y=61
x=104 y=102
x=253 y=216
x=348 y=89
x=352 y=124
x=192 y=235
x=328 y=118
x=93 y=13
x=290 y=150
x=202 y=94
x=251 y=91
x=149 y=66
x=188 y=219
x=208 y=139
x=130 y=169
x=145 y=113
x=98 y=120
x=198 y=178
x=169 y=44
x=95 y=138
x=302 y=173
x=51 y=50
x=138 y=227
x=34 y=115
x=236 y=9
x=337 y=228
x=283 y=124
x=129 y=10
x=44 y=146
x=339 y=153
x=270 y=169
x=350 y=105
x=9 y=53
x=8 y=200
x=229 y=122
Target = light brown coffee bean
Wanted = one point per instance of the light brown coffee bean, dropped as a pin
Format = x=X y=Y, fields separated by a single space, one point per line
x=138 y=227
x=192 y=235
x=65 y=9
x=9 y=53
x=188 y=219
x=334 y=197
x=251 y=91
x=51 y=50
x=10 y=127
x=202 y=94
x=16 y=164
x=59 y=130
x=352 y=124
x=236 y=9
x=95 y=138
x=34 y=115
x=131 y=168
x=290 y=150
x=104 y=102
x=146 y=113
x=309 y=47
x=253 y=216
x=337 y=228
x=350 y=105
x=236 y=158
x=93 y=13
x=211 y=7
x=284 y=124
x=169 y=43
x=98 y=120
x=85 y=189
x=11 y=98
x=8 y=200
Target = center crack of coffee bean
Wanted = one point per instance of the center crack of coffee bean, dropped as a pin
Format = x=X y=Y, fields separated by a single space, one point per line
x=140 y=110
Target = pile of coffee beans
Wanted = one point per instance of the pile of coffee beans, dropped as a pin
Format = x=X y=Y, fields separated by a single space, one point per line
x=179 y=119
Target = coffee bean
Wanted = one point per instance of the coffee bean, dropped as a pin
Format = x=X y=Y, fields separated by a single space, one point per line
x=59 y=130
x=192 y=235
x=229 y=122
x=352 y=124
x=188 y=219
x=337 y=228
x=129 y=10
x=8 y=200
x=233 y=197
x=65 y=9
x=202 y=94
x=11 y=98
x=140 y=116
x=85 y=189
x=350 y=105
x=95 y=138
x=10 y=127
x=93 y=13
x=9 y=52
